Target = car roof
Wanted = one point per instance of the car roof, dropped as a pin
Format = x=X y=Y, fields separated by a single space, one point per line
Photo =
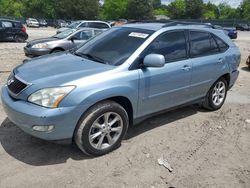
x=88 y=28
x=155 y=26
x=9 y=20
x=147 y=26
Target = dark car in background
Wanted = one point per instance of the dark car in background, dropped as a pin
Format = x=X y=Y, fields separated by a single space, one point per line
x=243 y=27
x=12 y=30
x=231 y=32
x=42 y=23
x=61 y=42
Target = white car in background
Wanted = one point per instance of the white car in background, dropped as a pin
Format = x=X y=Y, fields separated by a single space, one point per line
x=86 y=23
x=32 y=22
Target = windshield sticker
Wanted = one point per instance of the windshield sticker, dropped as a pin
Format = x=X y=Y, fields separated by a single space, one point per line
x=138 y=35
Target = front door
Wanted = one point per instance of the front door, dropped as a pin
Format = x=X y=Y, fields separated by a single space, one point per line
x=166 y=87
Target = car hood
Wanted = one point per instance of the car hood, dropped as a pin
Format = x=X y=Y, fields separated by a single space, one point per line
x=58 y=69
x=42 y=40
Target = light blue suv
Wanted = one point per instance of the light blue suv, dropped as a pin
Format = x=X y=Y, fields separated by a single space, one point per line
x=117 y=79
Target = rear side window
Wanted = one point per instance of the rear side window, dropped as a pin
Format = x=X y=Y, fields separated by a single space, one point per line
x=171 y=45
x=202 y=44
x=17 y=24
x=98 y=25
x=7 y=24
x=222 y=45
x=85 y=24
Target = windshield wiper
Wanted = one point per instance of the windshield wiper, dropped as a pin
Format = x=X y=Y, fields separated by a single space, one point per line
x=92 y=57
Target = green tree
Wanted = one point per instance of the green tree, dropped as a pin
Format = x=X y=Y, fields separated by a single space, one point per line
x=227 y=12
x=140 y=9
x=176 y=9
x=194 y=9
x=113 y=10
x=156 y=4
x=245 y=9
x=210 y=11
x=77 y=9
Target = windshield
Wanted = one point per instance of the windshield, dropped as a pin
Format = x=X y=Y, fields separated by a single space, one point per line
x=115 y=45
x=64 y=34
x=73 y=25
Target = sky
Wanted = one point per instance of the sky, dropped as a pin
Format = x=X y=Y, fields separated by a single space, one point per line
x=232 y=3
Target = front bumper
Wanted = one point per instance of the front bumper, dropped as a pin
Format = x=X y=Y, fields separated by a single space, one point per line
x=25 y=115
x=33 y=52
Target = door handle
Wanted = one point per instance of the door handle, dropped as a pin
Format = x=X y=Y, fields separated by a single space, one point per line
x=186 y=68
x=220 y=60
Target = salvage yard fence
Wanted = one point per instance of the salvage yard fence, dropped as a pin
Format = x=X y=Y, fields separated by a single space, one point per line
x=221 y=22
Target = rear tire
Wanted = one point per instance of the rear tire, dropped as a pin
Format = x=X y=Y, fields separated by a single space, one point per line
x=216 y=96
x=19 y=38
x=102 y=128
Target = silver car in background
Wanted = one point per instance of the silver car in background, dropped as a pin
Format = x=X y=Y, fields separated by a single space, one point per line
x=32 y=22
x=61 y=42
x=85 y=23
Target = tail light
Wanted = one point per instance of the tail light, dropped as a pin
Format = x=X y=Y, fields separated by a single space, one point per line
x=23 y=29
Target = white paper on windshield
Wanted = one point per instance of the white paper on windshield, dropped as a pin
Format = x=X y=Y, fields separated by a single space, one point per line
x=138 y=35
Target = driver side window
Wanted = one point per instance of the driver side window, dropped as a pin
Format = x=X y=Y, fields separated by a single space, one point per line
x=172 y=45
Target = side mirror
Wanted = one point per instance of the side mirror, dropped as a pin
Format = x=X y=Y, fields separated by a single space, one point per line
x=154 y=60
x=73 y=38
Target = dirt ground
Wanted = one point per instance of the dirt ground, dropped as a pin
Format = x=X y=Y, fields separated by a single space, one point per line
x=205 y=149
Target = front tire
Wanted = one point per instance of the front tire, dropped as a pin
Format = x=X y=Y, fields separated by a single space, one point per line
x=102 y=128
x=216 y=96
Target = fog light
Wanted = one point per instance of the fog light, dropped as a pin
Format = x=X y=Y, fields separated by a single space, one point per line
x=43 y=128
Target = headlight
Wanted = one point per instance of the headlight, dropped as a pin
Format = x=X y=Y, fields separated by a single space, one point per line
x=50 y=97
x=40 y=45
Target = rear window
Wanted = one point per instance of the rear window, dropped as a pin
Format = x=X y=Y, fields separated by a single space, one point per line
x=222 y=45
x=7 y=24
x=202 y=44
x=98 y=25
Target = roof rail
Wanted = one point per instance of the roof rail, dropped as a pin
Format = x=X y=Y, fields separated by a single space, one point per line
x=177 y=23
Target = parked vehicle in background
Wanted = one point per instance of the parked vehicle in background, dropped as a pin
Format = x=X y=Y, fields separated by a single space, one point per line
x=230 y=31
x=32 y=22
x=60 y=23
x=61 y=42
x=42 y=23
x=243 y=27
x=85 y=23
x=12 y=30
x=118 y=78
x=248 y=61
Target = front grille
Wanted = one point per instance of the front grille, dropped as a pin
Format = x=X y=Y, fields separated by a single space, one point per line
x=15 y=85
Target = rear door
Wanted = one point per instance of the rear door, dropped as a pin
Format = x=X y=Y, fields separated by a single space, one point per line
x=1 y=32
x=206 y=62
x=8 y=30
x=168 y=86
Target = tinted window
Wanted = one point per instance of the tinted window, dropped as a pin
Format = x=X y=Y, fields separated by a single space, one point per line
x=171 y=45
x=83 y=35
x=98 y=25
x=116 y=45
x=84 y=24
x=202 y=44
x=6 y=24
x=222 y=45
